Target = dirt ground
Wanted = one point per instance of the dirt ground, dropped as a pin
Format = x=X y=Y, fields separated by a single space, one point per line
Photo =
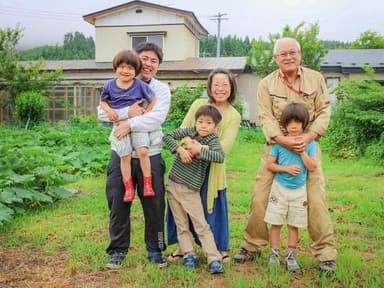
x=33 y=269
x=30 y=269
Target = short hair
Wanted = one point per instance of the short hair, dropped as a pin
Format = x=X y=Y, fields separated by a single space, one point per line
x=129 y=57
x=294 y=111
x=149 y=46
x=278 y=41
x=209 y=110
x=232 y=82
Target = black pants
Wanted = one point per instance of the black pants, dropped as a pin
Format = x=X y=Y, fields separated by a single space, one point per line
x=153 y=207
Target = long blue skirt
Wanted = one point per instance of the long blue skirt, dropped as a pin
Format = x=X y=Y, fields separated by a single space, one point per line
x=217 y=220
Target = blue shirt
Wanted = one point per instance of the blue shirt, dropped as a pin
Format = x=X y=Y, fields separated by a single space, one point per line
x=121 y=98
x=287 y=157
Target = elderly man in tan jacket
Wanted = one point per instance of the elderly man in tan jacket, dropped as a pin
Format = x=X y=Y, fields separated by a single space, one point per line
x=291 y=83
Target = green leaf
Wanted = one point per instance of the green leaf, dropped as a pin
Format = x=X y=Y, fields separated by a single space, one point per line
x=9 y=196
x=5 y=213
x=40 y=197
x=60 y=192
x=22 y=179
x=46 y=171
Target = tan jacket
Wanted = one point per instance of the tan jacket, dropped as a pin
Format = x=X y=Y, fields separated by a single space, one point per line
x=273 y=95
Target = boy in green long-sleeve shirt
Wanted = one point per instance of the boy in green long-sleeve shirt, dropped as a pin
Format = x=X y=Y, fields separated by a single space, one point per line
x=185 y=179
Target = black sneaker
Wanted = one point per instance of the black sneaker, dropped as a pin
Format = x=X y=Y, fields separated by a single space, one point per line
x=246 y=256
x=158 y=259
x=115 y=260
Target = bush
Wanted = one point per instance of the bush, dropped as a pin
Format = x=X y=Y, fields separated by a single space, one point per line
x=357 y=124
x=181 y=100
x=30 y=107
x=90 y=119
x=375 y=151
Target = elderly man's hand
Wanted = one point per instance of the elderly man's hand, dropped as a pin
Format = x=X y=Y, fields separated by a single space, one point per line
x=122 y=129
x=293 y=143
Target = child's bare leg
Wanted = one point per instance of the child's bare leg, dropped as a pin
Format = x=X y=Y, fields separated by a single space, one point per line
x=274 y=236
x=145 y=164
x=274 y=240
x=125 y=166
x=293 y=236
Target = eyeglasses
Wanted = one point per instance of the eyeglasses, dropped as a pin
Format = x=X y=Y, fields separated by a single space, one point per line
x=285 y=54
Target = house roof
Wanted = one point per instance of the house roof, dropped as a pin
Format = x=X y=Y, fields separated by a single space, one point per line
x=344 y=61
x=197 y=65
x=91 y=18
x=352 y=60
x=189 y=65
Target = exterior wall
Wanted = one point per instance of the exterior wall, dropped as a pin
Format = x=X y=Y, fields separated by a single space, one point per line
x=188 y=44
x=110 y=40
x=112 y=33
x=247 y=85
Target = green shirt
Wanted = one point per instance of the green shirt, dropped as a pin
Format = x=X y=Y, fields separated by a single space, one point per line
x=193 y=174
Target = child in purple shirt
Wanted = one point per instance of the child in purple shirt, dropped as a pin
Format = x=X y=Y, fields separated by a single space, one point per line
x=117 y=95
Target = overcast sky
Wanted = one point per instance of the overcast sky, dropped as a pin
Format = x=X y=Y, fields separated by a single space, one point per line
x=46 y=21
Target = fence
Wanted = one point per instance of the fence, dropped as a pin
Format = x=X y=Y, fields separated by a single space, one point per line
x=66 y=101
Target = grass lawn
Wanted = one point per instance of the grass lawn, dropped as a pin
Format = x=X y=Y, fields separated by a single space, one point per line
x=63 y=245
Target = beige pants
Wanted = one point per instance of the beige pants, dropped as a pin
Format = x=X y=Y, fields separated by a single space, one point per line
x=185 y=202
x=319 y=221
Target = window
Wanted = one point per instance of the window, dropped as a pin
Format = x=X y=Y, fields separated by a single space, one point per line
x=155 y=37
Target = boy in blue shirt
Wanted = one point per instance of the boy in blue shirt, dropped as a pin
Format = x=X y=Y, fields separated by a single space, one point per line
x=288 y=196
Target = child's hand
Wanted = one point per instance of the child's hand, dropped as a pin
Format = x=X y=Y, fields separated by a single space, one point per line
x=185 y=156
x=293 y=169
x=112 y=115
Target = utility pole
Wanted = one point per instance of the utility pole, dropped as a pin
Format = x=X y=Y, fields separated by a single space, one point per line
x=218 y=17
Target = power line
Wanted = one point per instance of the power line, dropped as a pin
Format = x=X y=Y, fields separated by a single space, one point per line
x=34 y=13
x=218 y=17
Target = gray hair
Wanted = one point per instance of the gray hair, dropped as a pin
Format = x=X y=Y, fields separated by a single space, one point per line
x=278 y=41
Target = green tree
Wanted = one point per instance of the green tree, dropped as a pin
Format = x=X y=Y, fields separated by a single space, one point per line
x=260 y=57
x=16 y=77
x=75 y=47
x=368 y=40
x=231 y=46
x=334 y=44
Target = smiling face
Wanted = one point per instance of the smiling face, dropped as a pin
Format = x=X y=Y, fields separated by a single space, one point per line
x=205 y=125
x=125 y=73
x=220 y=88
x=287 y=55
x=149 y=64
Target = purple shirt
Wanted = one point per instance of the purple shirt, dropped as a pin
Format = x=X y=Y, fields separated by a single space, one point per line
x=121 y=98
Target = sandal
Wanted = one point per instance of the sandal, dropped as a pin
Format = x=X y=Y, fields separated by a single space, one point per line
x=225 y=257
x=174 y=257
